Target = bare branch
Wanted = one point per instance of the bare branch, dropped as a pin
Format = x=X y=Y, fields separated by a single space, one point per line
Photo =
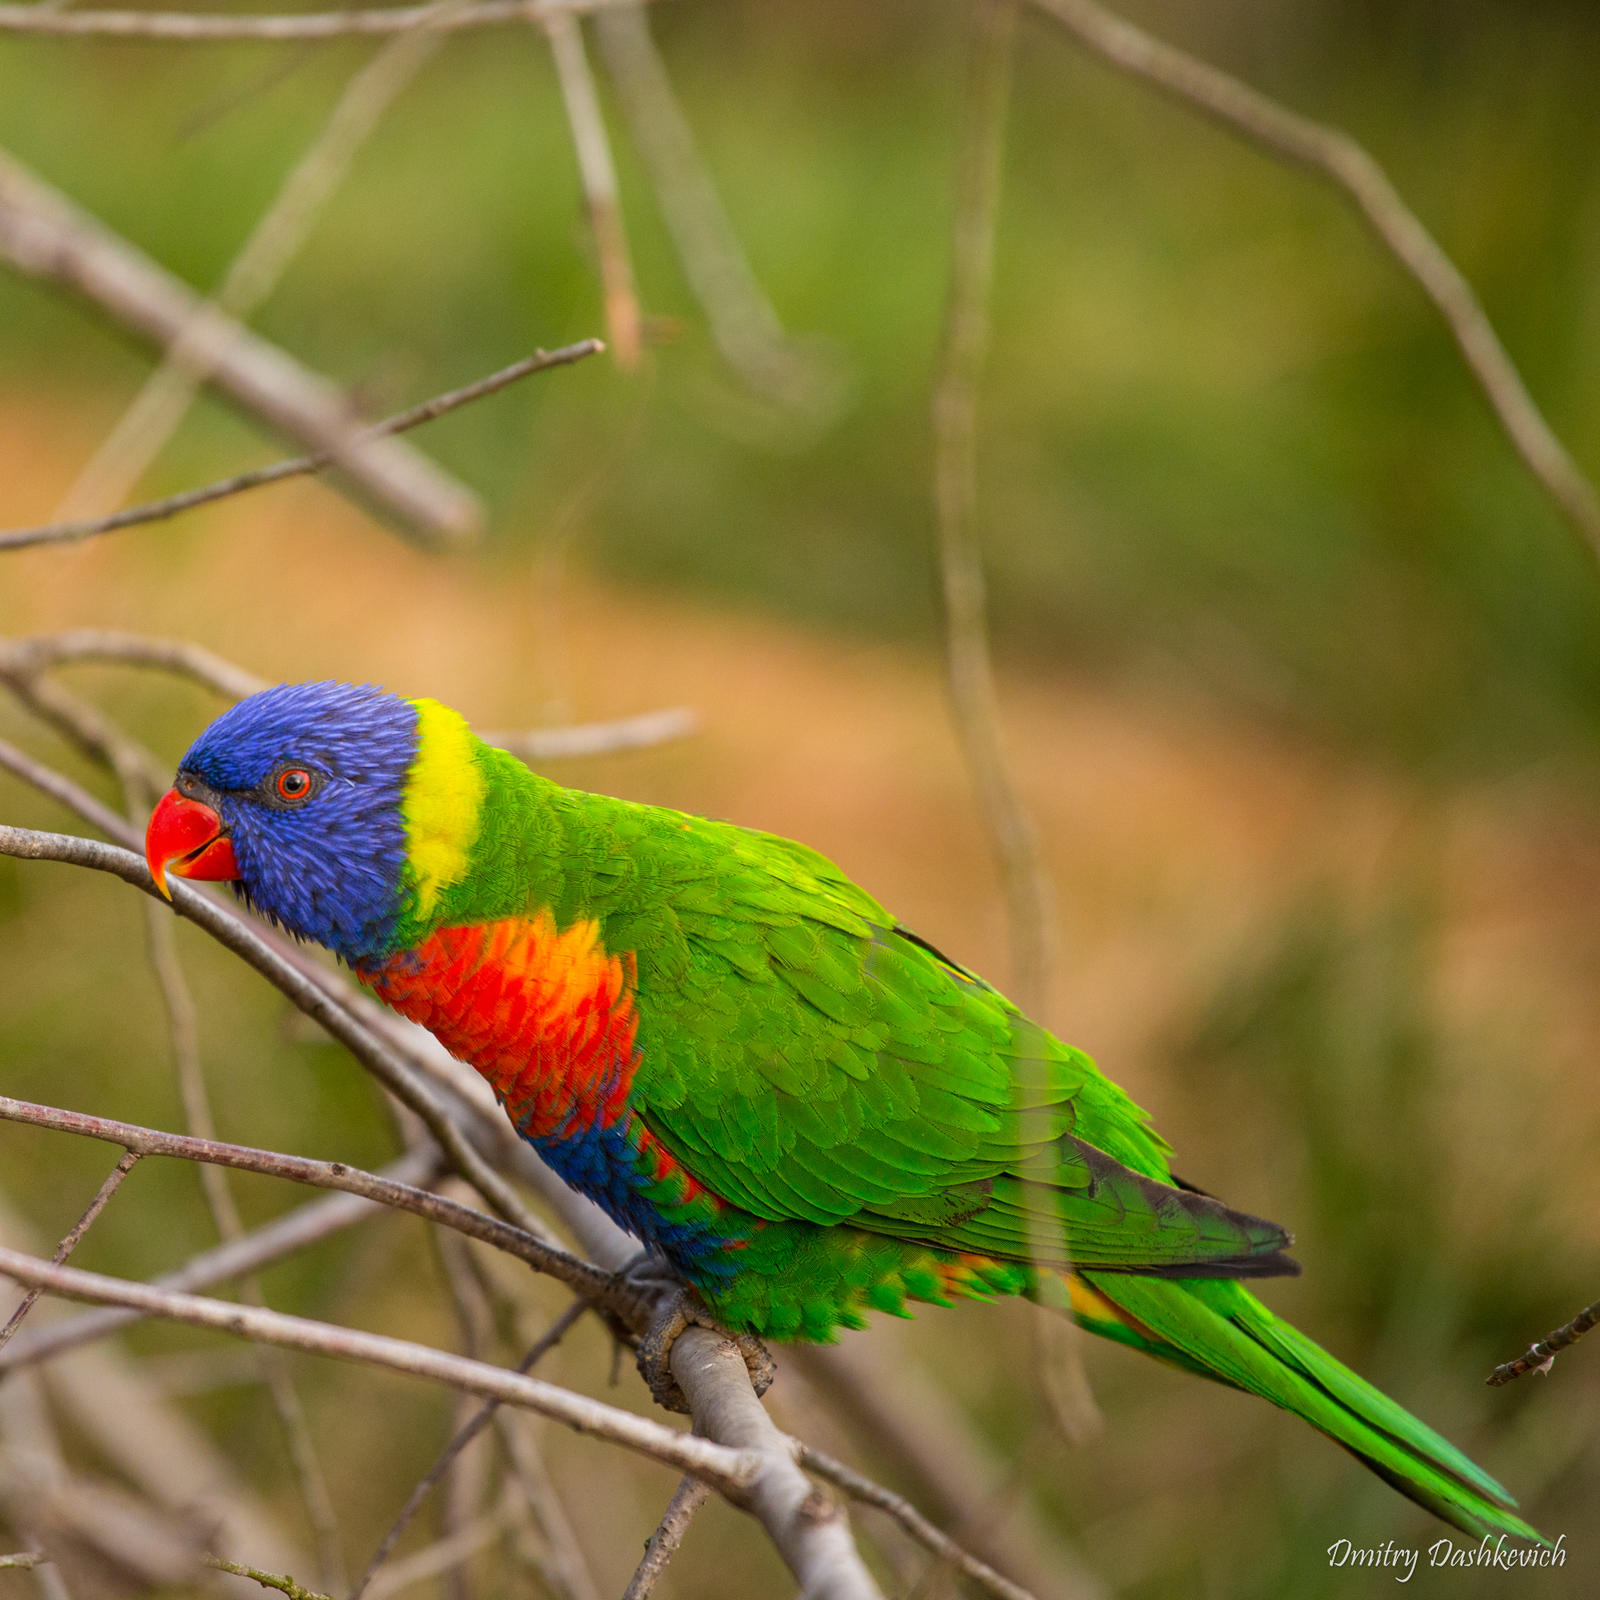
x=663 y=1544
x=200 y=28
x=599 y=174
x=1334 y=155
x=808 y=1526
x=45 y=236
x=731 y=1471
x=479 y=1421
x=972 y=693
x=70 y=1242
x=914 y=1523
x=1541 y=1356
x=25 y=1560
x=320 y=998
x=178 y=656
x=598 y=738
x=589 y=1281
x=297 y=1230
x=83 y=725
x=299 y=466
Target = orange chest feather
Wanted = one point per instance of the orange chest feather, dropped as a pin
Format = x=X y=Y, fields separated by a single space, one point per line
x=547 y=1016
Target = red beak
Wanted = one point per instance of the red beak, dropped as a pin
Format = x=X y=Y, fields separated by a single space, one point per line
x=187 y=837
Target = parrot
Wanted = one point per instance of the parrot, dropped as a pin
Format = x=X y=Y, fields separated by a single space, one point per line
x=805 y=1110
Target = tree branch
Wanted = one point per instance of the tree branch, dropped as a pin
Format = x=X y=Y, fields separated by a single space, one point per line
x=1029 y=902
x=1334 y=155
x=299 y=466
x=45 y=236
x=733 y=1472
x=203 y=28
x=1541 y=1356
x=599 y=174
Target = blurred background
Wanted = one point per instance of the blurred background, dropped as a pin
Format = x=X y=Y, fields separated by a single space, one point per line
x=1299 y=671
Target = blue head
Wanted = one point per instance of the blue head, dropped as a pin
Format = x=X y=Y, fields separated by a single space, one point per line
x=307 y=782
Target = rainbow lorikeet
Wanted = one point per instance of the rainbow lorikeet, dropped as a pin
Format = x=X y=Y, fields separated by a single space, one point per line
x=806 y=1109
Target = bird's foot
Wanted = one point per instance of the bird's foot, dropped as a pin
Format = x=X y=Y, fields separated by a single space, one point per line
x=676 y=1312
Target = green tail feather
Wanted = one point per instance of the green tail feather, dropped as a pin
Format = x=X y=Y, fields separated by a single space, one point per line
x=1219 y=1330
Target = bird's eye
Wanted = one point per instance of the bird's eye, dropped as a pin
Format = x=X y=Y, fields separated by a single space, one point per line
x=292 y=784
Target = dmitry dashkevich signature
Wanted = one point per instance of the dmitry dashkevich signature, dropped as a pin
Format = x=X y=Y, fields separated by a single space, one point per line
x=1447 y=1553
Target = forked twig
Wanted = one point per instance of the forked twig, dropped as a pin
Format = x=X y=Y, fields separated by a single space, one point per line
x=598 y=171
x=897 y=1506
x=298 y=466
x=113 y=1182
x=469 y=1431
x=1541 y=1356
x=1334 y=155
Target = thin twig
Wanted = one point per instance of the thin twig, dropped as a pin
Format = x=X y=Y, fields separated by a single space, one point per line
x=1334 y=155
x=470 y=1431
x=130 y=1158
x=198 y=28
x=47 y=237
x=298 y=466
x=268 y=1580
x=731 y=1471
x=23 y=1561
x=640 y=732
x=897 y=1506
x=296 y=1230
x=589 y=1281
x=663 y=1544
x=972 y=691
x=599 y=174
x=194 y=351
x=1541 y=1356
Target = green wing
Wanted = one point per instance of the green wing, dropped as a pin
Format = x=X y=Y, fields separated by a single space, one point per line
x=810 y=1060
